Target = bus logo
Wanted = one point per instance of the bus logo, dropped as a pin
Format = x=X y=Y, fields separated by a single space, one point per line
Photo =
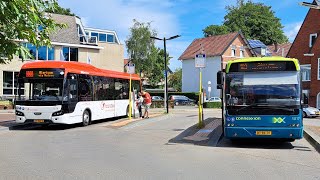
x=278 y=120
x=29 y=73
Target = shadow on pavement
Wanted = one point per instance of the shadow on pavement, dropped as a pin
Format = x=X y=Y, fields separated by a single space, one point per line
x=211 y=136
x=54 y=127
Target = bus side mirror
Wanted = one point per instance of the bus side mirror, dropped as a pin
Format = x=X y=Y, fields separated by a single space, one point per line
x=219 y=80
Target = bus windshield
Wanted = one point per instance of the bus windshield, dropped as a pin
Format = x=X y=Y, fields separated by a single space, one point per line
x=263 y=89
x=42 y=89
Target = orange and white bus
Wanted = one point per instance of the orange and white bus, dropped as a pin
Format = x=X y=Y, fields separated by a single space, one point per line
x=71 y=92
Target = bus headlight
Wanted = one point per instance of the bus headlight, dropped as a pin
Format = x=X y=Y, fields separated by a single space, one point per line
x=58 y=113
x=19 y=113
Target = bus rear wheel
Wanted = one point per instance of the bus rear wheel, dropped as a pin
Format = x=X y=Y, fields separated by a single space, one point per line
x=86 y=118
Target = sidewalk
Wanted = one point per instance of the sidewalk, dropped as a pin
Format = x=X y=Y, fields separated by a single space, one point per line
x=312 y=132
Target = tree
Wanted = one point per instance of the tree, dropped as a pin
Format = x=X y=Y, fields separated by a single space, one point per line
x=61 y=10
x=142 y=51
x=155 y=71
x=175 y=80
x=139 y=44
x=20 y=20
x=215 y=30
x=255 y=20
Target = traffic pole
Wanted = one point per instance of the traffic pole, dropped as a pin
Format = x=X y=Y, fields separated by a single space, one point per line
x=200 y=123
x=130 y=99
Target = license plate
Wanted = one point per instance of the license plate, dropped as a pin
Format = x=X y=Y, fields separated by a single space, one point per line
x=263 y=133
x=317 y=113
x=38 y=121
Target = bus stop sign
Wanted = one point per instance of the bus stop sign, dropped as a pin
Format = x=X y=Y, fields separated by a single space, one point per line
x=131 y=68
x=200 y=61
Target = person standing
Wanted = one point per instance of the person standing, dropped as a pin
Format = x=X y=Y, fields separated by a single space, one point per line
x=139 y=104
x=147 y=103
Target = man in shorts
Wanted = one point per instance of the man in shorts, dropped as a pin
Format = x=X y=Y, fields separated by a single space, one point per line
x=147 y=103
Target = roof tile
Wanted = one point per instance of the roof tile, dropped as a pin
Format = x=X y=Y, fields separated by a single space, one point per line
x=213 y=46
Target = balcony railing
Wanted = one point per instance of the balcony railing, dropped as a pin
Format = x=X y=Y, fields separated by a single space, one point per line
x=91 y=40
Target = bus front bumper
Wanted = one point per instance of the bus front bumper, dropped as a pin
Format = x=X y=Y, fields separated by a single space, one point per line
x=264 y=132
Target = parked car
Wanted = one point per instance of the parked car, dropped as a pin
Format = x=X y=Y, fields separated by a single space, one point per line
x=157 y=98
x=310 y=112
x=214 y=99
x=181 y=100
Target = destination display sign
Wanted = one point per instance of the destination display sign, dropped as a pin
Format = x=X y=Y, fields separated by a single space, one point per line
x=262 y=66
x=42 y=73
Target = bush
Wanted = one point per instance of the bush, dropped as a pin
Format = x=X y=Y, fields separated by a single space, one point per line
x=212 y=105
x=191 y=95
x=6 y=104
x=160 y=104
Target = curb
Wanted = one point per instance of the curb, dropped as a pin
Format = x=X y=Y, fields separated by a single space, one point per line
x=308 y=136
x=126 y=121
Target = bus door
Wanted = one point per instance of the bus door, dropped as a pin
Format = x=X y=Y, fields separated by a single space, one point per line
x=71 y=91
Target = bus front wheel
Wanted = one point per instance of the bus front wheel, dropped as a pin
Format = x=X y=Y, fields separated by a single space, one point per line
x=86 y=118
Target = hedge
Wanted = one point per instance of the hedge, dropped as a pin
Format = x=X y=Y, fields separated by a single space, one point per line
x=191 y=95
x=6 y=104
x=212 y=105
x=160 y=104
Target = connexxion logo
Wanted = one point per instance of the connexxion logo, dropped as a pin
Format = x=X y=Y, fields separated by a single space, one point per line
x=278 y=120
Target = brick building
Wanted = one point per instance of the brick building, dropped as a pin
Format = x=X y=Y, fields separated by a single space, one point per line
x=306 y=48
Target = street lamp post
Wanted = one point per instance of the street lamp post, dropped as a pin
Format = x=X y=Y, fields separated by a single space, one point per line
x=165 y=69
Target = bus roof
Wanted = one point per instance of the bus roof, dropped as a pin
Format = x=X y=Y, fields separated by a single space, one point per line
x=259 y=59
x=78 y=68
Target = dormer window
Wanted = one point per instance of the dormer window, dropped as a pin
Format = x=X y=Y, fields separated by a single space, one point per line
x=233 y=50
x=312 y=40
x=241 y=52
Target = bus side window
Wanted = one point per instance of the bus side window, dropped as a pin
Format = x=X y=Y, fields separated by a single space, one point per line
x=85 y=88
x=71 y=90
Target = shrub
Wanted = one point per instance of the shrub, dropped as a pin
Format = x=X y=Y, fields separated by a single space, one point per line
x=212 y=105
x=191 y=95
x=160 y=104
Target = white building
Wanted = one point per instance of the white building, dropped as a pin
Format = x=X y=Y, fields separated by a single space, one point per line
x=218 y=49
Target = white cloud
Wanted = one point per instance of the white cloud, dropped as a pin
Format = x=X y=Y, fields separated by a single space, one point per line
x=291 y=30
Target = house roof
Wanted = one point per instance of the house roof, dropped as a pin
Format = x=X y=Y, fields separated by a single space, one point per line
x=282 y=49
x=68 y=34
x=213 y=45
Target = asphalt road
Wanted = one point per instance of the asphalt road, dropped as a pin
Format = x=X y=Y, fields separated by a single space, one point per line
x=142 y=151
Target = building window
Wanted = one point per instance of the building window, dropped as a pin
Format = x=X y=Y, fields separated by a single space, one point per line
x=41 y=53
x=306 y=72
x=233 y=50
x=10 y=83
x=110 y=38
x=102 y=37
x=94 y=34
x=312 y=39
x=70 y=54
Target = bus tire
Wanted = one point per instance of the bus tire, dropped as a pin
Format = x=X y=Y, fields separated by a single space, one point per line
x=86 y=118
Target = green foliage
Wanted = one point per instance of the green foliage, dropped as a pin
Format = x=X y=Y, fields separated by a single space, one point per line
x=175 y=80
x=191 y=95
x=160 y=104
x=255 y=20
x=147 y=57
x=20 y=20
x=61 y=10
x=139 y=45
x=215 y=30
x=212 y=105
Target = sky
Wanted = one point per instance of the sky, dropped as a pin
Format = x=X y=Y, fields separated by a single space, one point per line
x=174 y=17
